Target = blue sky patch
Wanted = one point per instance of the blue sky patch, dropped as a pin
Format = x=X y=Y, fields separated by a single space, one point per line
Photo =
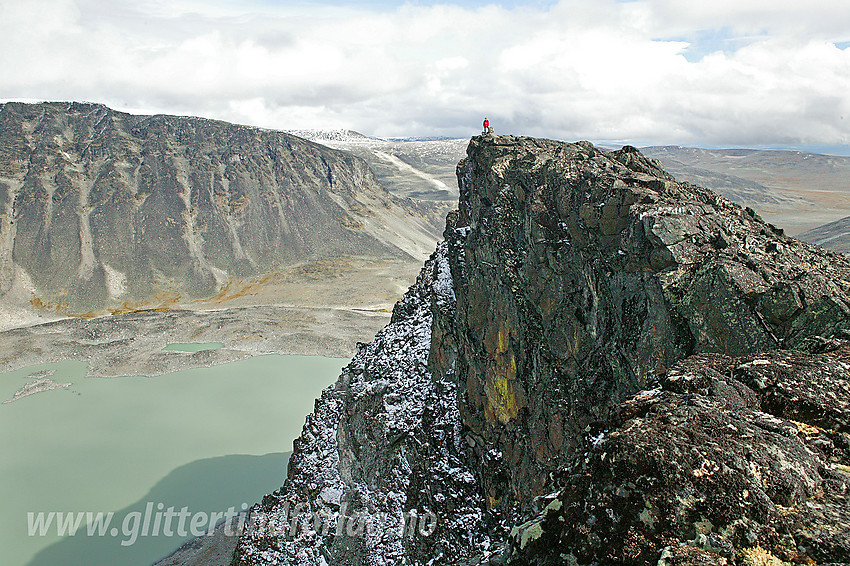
x=706 y=42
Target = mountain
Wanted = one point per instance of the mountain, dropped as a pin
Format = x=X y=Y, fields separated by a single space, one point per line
x=106 y=210
x=598 y=365
x=834 y=235
x=331 y=136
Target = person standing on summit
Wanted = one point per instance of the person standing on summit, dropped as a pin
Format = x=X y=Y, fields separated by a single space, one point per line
x=487 y=128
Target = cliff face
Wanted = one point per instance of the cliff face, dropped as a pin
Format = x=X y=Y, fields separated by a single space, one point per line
x=563 y=381
x=99 y=207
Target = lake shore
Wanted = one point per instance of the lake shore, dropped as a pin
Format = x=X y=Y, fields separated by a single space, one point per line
x=133 y=344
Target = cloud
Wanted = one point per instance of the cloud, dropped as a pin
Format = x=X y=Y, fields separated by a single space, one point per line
x=657 y=71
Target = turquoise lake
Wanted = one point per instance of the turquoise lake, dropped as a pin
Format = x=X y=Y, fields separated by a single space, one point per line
x=206 y=439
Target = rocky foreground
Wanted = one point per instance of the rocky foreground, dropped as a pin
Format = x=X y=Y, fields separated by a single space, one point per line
x=599 y=365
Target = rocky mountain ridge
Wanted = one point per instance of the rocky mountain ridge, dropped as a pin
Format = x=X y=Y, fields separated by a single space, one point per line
x=560 y=384
x=794 y=189
x=102 y=209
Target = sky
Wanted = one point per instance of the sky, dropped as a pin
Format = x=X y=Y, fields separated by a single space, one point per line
x=719 y=73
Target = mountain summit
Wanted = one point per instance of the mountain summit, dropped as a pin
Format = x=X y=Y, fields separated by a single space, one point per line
x=597 y=365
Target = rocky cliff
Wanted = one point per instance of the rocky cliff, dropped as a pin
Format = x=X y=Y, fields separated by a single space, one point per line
x=100 y=208
x=598 y=365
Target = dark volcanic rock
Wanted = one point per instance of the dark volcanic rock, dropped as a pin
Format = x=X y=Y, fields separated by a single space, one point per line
x=702 y=463
x=99 y=207
x=587 y=273
x=571 y=280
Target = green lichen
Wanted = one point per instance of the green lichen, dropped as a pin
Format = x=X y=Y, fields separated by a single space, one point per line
x=527 y=532
x=703 y=526
x=647 y=517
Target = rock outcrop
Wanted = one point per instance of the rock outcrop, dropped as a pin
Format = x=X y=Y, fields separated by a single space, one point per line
x=100 y=208
x=598 y=365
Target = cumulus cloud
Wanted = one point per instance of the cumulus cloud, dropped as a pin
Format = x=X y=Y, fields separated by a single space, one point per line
x=726 y=72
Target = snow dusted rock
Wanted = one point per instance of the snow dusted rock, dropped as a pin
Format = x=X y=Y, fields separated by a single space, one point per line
x=529 y=379
x=381 y=461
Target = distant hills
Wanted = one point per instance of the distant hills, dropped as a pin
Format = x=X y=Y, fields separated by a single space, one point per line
x=792 y=189
x=719 y=171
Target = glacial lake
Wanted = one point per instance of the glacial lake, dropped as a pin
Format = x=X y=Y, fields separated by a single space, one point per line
x=206 y=439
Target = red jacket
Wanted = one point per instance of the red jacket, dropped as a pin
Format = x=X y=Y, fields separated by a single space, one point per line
x=486 y=123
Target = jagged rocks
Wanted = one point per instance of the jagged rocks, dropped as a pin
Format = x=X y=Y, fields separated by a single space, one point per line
x=382 y=451
x=570 y=280
x=732 y=457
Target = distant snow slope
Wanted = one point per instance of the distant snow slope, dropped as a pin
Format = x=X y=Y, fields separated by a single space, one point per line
x=419 y=168
x=835 y=235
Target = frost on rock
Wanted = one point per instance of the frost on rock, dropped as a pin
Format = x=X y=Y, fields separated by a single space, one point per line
x=381 y=457
x=443 y=285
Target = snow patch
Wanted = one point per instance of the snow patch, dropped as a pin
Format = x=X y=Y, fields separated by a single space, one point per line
x=116 y=282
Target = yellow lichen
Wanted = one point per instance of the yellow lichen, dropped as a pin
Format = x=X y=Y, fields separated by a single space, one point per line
x=808 y=430
x=502 y=405
x=502 y=339
x=502 y=399
x=757 y=556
